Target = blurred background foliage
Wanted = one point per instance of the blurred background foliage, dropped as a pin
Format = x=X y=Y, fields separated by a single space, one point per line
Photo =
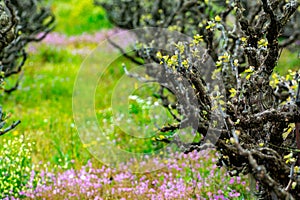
x=74 y=17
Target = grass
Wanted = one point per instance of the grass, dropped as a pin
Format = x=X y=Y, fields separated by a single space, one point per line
x=43 y=103
x=288 y=60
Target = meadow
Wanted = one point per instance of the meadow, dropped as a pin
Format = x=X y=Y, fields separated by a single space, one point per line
x=44 y=156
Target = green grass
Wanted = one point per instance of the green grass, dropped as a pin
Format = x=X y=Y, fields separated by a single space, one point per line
x=288 y=60
x=43 y=103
